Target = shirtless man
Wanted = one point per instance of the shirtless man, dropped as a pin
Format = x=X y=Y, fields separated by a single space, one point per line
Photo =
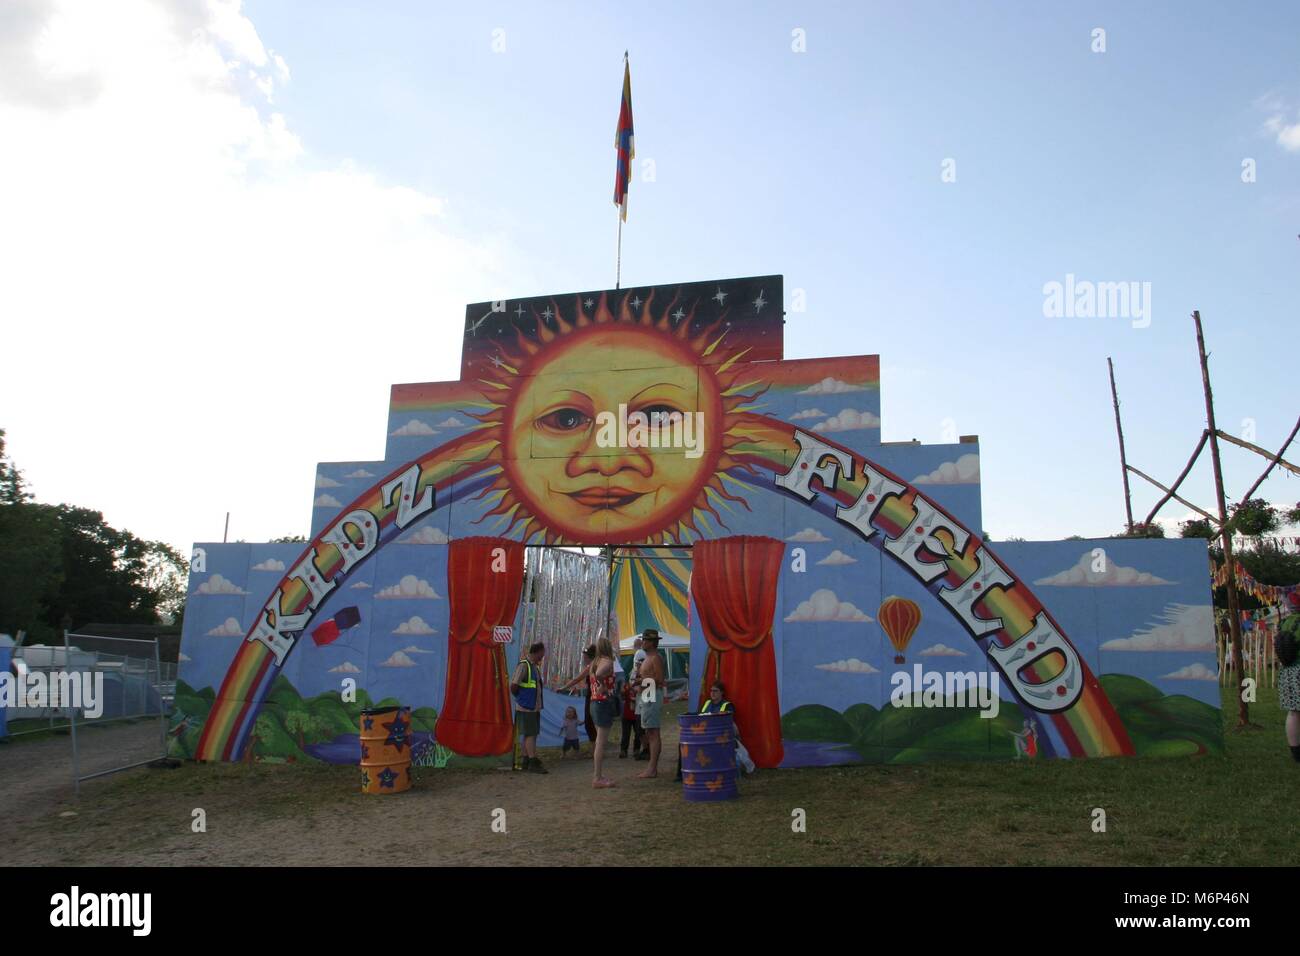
x=651 y=675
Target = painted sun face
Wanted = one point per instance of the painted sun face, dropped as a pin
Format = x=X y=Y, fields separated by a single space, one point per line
x=563 y=432
x=574 y=468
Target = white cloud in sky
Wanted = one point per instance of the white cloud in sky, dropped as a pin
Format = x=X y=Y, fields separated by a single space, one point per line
x=229 y=628
x=159 y=210
x=409 y=587
x=347 y=667
x=452 y=422
x=836 y=558
x=1181 y=627
x=964 y=471
x=415 y=625
x=941 y=650
x=1111 y=575
x=219 y=585
x=831 y=386
x=324 y=481
x=808 y=536
x=359 y=473
x=414 y=427
x=412 y=649
x=809 y=413
x=1197 y=671
x=848 y=420
x=1286 y=131
x=361 y=584
x=825 y=606
x=270 y=564
x=427 y=534
x=850 y=666
x=327 y=501
x=398 y=659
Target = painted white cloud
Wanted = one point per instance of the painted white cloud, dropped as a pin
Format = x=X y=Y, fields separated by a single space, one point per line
x=808 y=536
x=808 y=413
x=1197 y=671
x=837 y=558
x=398 y=659
x=941 y=650
x=347 y=667
x=964 y=471
x=415 y=625
x=219 y=585
x=831 y=386
x=327 y=501
x=825 y=606
x=360 y=473
x=361 y=584
x=452 y=422
x=182 y=657
x=414 y=427
x=1112 y=575
x=270 y=564
x=427 y=534
x=847 y=421
x=409 y=587
x=850 y=666
x=412 y=649
x=133 y=133
x=1181 y=627
x=324 y=481
x=230 y=628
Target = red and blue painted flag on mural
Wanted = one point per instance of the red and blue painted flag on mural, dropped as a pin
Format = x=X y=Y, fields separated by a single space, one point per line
x=625 y=143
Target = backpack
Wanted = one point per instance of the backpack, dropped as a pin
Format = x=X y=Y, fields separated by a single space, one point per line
x=1286 y=645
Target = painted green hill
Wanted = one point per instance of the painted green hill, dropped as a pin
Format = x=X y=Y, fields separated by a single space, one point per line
x=818 y=722
x=1163 y=725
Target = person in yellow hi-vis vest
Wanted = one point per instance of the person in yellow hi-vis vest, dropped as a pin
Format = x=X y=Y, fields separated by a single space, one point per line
x=718 y=704
x=526 y=686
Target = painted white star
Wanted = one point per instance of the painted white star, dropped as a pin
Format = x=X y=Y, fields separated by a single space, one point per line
x=588 y=303
x=520 y=311
x=679 y=314
x=546 y=313
x=636 y=303
x=721 y=296
x=497 y=361
x=759 y=302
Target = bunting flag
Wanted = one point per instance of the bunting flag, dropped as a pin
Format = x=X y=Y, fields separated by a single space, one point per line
x=1264 y=593
x=624 y=143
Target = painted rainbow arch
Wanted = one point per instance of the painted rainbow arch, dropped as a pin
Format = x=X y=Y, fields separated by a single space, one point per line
x=468 y=466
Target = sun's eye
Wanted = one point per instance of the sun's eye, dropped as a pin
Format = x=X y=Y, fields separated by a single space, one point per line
x=660 y=409
x=564 y=420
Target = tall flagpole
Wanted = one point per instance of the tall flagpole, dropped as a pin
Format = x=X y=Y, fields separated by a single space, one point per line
x=618 y=260
x=618 y=267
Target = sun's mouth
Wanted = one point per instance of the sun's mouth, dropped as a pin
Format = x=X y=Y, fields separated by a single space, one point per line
x=603 y=498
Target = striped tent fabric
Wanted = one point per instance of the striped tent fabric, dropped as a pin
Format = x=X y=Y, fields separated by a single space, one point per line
x=650 y=588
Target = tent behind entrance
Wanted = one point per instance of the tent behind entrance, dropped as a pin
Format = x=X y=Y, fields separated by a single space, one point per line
x=649 y=589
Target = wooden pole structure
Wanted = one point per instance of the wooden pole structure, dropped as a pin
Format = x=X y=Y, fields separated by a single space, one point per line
x=1225 y=530
x=1123 y=459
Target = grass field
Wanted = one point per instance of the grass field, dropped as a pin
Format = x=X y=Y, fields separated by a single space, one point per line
x=1234 y=809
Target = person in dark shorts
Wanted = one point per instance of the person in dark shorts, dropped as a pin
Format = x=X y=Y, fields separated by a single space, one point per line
x=526 y=686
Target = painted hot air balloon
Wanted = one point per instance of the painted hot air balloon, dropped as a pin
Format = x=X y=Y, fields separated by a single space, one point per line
x=899 y=617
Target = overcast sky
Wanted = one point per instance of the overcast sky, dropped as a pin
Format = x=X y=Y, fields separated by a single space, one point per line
x=225 y=230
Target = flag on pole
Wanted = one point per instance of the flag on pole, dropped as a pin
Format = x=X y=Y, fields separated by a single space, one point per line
x=624 y=143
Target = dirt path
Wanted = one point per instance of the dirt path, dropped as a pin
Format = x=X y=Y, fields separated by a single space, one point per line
x=268 y=815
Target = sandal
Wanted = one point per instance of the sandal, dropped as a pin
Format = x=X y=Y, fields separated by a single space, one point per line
x=603 y=784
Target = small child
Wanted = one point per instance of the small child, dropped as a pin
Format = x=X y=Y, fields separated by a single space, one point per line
x=570 y=732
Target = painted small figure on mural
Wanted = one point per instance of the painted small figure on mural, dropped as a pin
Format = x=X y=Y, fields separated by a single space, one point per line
x=1026 y=741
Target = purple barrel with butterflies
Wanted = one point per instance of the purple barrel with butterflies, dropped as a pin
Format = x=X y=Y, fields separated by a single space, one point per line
x=708 y=750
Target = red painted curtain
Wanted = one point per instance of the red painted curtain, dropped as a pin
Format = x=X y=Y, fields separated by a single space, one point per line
x=485 y=578
x=734 y=586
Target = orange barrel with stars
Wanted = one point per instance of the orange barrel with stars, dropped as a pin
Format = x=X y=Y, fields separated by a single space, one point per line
x=386 y=750
x=708 y=748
